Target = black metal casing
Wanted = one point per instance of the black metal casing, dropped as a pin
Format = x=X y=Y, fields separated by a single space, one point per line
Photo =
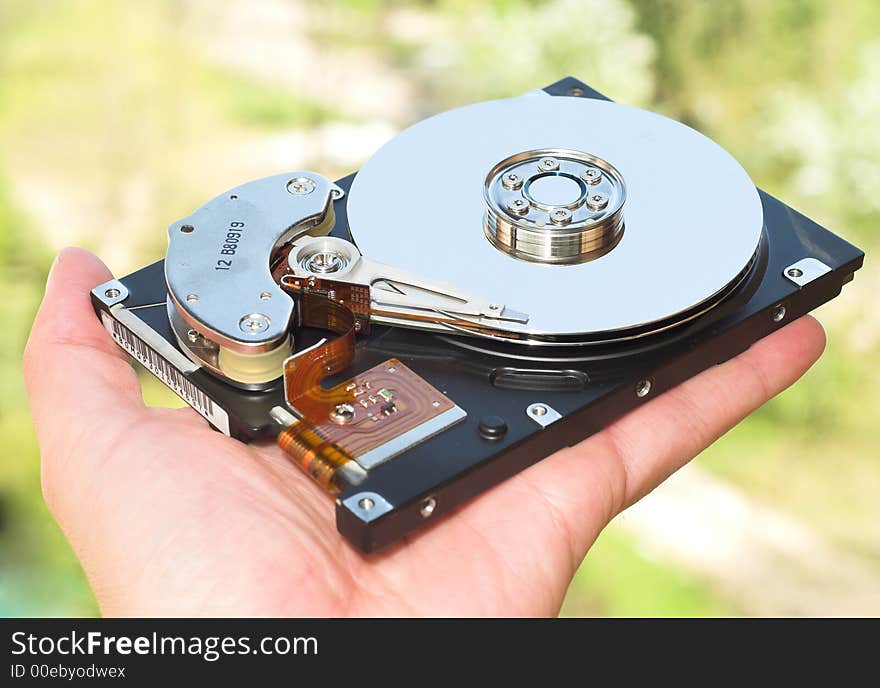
x=588 y=388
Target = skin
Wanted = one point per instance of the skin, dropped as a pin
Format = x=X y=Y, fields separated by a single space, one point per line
x=171 y=518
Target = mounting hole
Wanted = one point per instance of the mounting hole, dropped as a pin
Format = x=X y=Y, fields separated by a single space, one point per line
x=778 y=313
x=112 y=293
x=643 y=388
x=192 y=298
x=265 y=296
x=794 y=272
x=428 y=507
x=576 y=91
x=186 y=229
x=366 y=503
x=538 y=410
x=233 y=197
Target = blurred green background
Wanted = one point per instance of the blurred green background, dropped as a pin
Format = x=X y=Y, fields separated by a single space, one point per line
x=117 y=117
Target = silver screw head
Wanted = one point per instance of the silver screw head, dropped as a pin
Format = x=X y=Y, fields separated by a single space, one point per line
x=794 y=272
x=255 y=323
x=591 y=176
x=192 y=336
x=342 y=414
x=548 y=164
x=560 y=216
x=112 y=293
x=643 y=388
x=301 y=186
x=597 y=201
x=518 y=206
x=511 y=181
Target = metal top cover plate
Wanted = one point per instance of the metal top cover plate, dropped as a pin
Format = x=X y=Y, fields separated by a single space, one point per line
x=693 y=218
x=217 y=265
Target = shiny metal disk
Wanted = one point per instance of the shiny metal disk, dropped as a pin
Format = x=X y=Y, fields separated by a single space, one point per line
x=692 y=216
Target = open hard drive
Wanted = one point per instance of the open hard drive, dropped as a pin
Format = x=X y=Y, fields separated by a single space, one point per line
x=498 y=282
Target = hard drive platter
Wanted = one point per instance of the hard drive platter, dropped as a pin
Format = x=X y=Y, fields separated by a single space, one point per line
x=497 y=282
x=691 y=216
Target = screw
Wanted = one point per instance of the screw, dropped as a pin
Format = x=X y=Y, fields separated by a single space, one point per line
x=591 y=176
x=265 y=296
x=192 y=298
x=112 y=293
x=301 y=186
x=366 y=503
x=560 y=216
x=778 y=313
x=254 y=323
x=548 y=165
x=342 y=414
x=518 y=206
x=643 y=388
x=186 y=229
x=511 y=181
x=192 y=336
x=538 y=410
x=794 y=272
x=597 y=201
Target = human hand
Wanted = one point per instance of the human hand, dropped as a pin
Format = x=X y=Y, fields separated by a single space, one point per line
x=171 y=518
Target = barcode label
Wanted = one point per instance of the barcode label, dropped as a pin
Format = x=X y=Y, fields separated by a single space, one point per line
x=173 y=378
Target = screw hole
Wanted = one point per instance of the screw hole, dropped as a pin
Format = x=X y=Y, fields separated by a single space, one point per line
x=186 y=229
x=778 y=313
x=794 y=272
x=192 y=298
x=233 y=197
x=643 y=388
x=576 y=91
x=428 y=507
x=539 y=410
x=112 y=293
x=265 y=296
x=366 y=503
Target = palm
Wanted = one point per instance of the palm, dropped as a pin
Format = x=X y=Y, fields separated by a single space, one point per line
x=170 y=517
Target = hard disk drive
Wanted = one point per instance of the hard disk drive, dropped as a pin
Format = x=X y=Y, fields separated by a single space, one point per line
x=497 y=282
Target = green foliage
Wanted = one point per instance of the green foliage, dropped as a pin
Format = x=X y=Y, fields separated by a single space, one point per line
x=618 y=578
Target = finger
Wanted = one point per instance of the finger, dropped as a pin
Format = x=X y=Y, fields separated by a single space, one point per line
x=637 y=452
x=75 y=375
x=579 y=489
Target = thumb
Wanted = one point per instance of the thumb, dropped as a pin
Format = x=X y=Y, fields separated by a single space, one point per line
x=75 y=375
